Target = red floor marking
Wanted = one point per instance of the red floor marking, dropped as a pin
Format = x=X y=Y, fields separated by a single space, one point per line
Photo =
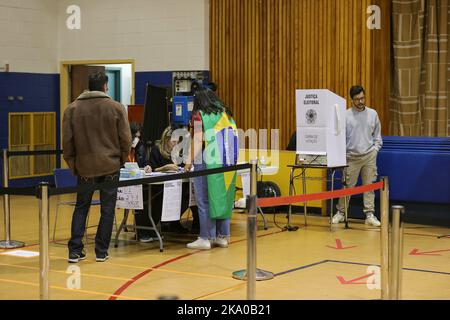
x=339 y=245
x=343 y=281
x=415 y=252
x=119 y=291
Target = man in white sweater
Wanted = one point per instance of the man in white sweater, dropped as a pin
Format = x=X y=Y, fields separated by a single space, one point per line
x=363 y=136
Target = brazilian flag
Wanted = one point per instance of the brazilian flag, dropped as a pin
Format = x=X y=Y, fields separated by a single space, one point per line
x=221 y=150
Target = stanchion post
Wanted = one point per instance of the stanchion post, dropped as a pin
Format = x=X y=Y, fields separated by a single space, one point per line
x=7 y=243
x=397 y=253
x=6 y=196
x=400 y=254
x=44 y=261
x=384 y=238
x=252 y=273
x=251 y=235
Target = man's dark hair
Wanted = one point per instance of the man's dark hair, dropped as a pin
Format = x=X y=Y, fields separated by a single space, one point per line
x=97 y=81
x=355 y=90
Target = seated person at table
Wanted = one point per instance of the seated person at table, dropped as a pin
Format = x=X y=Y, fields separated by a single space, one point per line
x=160 y=160
x=138 y=150
x=138 y=153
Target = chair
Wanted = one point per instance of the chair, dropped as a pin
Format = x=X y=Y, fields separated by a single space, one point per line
x=63 y=179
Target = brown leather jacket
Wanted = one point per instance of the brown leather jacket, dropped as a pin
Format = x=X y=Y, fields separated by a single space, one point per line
x=96 y=135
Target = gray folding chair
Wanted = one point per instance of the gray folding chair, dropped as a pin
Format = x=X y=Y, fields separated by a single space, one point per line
x=64 y=179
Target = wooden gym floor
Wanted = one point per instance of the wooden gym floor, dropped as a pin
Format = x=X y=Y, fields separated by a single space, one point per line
x=310 y=263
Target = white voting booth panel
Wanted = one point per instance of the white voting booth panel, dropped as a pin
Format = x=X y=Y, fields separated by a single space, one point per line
x=321 y=125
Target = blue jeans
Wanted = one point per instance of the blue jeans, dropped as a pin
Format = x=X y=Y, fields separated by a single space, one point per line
x=209 y=228
x=108 y=197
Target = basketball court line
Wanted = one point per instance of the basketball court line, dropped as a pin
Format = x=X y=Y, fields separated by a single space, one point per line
x=65 y=272
x=67 y=289
x=156 y=268
x=144 y=273
x=205 y=275
x=302 y=226
x=217 y=293
x=354 y=263
x=407 y=269
x=300 y=268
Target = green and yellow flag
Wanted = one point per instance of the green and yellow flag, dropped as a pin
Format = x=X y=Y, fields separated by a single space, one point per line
x=221 y=150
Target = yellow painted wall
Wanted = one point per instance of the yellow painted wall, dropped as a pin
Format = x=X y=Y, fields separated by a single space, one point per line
x=281 y=178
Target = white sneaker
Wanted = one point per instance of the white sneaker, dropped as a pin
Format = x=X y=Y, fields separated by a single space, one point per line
x=371 y=220
x=201 y=244
x=337 y=218
x=221 y=242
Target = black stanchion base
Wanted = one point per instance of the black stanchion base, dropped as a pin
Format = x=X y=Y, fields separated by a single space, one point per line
x=11 y=244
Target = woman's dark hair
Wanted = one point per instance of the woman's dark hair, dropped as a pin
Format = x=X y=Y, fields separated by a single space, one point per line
x=207 y=101
x=134 y=127
x=355 y=90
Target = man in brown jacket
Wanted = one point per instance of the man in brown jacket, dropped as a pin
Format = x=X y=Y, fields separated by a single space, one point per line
x=96 y=143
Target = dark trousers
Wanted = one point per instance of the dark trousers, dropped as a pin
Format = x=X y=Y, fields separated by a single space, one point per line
x=108 y=197
x=141 y=216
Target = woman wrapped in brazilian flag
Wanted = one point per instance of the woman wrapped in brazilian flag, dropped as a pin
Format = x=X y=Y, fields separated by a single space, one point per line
x=215 y=145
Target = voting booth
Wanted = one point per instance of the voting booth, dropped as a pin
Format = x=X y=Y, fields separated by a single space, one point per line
x=320 y=116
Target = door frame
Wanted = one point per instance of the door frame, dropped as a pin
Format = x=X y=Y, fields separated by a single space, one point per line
x=117 y=83
x=64 y=85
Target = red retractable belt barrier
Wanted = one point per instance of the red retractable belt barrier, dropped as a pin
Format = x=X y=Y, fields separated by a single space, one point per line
x=270 y=202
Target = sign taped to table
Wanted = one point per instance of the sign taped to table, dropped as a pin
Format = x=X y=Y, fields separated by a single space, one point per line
x=130 y=198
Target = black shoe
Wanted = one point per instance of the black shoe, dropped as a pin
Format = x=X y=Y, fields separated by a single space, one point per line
x=75 y=257
x=102 y=258
x=146 y=239
x=175 y=227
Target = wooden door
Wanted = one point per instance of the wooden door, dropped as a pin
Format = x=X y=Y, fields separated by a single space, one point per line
x=79 y=76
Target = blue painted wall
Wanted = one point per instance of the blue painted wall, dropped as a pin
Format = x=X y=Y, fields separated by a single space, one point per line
x=40 y=93
x=160 y=79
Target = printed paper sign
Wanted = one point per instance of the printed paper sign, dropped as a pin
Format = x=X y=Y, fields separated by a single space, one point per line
x=22 y=253
x=246 y=184
x=130 y=197
x=192 y=201
x=171 y=209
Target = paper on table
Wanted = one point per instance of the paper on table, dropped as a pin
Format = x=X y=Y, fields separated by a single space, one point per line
x=192 y=201
x=246 y=183
x=131 y=165
x=171 y=201
x=154 y=174
x=130 y=197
